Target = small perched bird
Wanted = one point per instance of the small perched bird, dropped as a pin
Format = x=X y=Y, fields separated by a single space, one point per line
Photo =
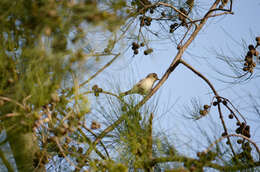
x=144 y=86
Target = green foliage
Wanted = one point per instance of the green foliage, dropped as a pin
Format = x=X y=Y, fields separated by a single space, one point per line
x=34 y=44
x=37 y=57
x=108 y=165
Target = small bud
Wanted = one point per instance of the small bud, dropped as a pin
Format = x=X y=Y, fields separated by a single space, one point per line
x=245 y=69
x=230 y=116
x=136 y=51
x=148 y=51
x=163 y=14
x=215 y=103
x=251 y=47
x=106 y=50
x=95 y=125
x=135 y=45
x=238 y=130
x=206 y=107
x=203 y=112
x=175 y=24
x=100 y=90
x=239 y=141
x=95 y=87
x=172 y=26
x=249 y=54
x=80 y=150
x=198 y=154
x=123 y=108
x=253 y=51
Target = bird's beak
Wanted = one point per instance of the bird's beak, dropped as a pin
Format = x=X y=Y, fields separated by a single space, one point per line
x=157 y=78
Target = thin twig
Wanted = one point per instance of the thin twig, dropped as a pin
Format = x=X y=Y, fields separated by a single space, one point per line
x=9 y=115
x=201 y=76
x=64 y=155
x=178 y=11
x=108 y=93
x=215 y=15
x=13 y=101
x=237 y=110
x=89 y=142
x=102 y=144
x=100 y=70
x=180 y=43
x=225 y=129
x=217 y=96
x=233 y=135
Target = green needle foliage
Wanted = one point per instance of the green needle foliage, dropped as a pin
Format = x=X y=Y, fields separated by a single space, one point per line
x=36 y=59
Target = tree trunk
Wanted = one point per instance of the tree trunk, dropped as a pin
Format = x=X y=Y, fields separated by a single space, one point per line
x=23 y=145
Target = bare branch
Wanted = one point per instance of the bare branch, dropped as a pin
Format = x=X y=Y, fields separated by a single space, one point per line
x=233 y=135
x=13 y=101
x=100 y=70
x=201 y=76
x=102 y=144
x=64 y=155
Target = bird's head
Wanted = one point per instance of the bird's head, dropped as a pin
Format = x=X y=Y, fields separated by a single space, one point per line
x=153 y=76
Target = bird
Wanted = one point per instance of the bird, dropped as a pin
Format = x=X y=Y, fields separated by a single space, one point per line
x=143 y=87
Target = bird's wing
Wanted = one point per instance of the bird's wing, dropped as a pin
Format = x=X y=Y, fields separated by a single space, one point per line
x=140 y=83
x=136 y=89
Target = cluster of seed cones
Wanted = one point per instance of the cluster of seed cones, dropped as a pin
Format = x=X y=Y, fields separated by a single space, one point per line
x=136 y=46
x=249 y=64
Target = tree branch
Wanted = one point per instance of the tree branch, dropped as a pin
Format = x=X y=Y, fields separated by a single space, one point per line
x=100 y=70
x=102 y=144
x=201 y=76
x=216 y=95
x=233 y=135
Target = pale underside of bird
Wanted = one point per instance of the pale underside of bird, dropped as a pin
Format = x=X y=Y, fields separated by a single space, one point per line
x=144 y=86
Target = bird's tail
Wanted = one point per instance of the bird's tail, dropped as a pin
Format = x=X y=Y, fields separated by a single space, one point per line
x=125 y=93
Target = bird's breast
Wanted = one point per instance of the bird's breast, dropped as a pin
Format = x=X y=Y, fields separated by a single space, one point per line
x=147 y=85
